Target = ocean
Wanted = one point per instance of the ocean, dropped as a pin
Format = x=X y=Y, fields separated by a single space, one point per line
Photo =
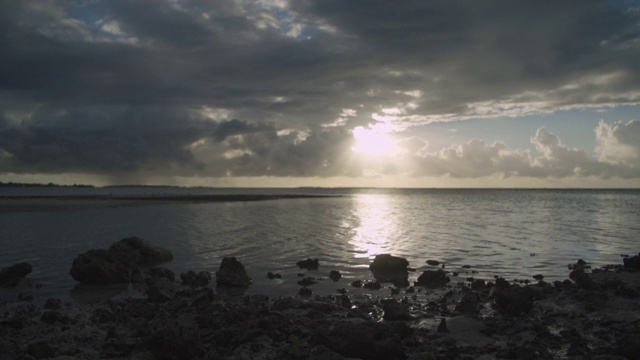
x=510 y=233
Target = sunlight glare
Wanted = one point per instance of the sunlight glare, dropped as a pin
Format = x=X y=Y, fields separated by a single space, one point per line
x=372 y=142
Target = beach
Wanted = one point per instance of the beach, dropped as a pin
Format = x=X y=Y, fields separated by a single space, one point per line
x=593 y=315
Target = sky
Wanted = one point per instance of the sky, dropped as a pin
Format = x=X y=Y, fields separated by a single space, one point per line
x=277 y=93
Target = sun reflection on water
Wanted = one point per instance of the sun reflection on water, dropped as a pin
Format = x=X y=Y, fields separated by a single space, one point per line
x=377 y=225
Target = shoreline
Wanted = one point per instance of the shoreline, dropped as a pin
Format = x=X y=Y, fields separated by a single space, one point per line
x=592 y=316
x=73 y=202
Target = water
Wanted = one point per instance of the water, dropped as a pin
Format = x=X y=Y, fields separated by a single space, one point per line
x=494 y=231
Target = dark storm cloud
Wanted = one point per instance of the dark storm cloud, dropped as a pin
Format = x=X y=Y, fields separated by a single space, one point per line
x=117 y=86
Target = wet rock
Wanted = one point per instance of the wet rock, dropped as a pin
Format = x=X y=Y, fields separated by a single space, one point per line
x=538 y=277
x=632 y=262
x=305 y=292
x=162 y=273
x=442 y=326
x=469 y=304
x=433 y=262
x=357 y=284
x=161 y=291
x=137 y=276
x=52 y=304
x=335 y=275
x=372 y=285
x=477 y=284
x=136 y=251
x=432 y=279
x=582 y=279
x=308 y=281
x=364 y=340
x=196 y=280
x=309 y=264
x=232 y=273
x=515 y=300
x=176 y=339
x=41 y=350
x=98 y=267
x=49 y=317
x=393 y=269
x=10 y=276
x=395 y=311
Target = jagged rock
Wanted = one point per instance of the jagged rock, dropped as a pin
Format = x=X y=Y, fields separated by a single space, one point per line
x=357 y=284
x=178 y=339
x=232 y=273
x=393 y=269
x=395 y=311
x=10 y=276
x=364 y=340
x=469 y=304
x=372 y=285
x=632 y=262
x=308 y=281
x=432 y=279
x=442 y=326
x=309 y=264
x=305 y=292
x=52 y=304
x=582 y=279
x=98 y=267
x=162 y=273
x=192 y=279
x=515 y=300
x=41 y=350
x=335 y=275
x=136 y=251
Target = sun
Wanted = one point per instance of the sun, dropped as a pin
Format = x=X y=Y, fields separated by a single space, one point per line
x=372 y=142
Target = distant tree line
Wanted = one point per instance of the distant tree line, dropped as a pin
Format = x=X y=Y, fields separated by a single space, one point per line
x=14 y=184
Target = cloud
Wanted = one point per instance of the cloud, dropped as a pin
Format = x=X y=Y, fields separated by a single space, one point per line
x=116 y=87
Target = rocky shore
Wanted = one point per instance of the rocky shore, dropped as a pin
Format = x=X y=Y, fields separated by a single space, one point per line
x=594 y=314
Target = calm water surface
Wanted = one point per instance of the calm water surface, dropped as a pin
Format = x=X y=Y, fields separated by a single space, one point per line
x=494 y=231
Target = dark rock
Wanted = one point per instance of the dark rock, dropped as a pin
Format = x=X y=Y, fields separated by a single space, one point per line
x=52 y=304
x=271 y=275
x=469 y=304
x=203 y=299
x=232 y=273
x=442 y=327
x=179 y=339
x=305 y=292
x=357 y=284
x=364 y=340
x=466 y=266
x=477 y=284
x=98 y=267
x=136 y=251
x=433 y=262
x=162 y=273
x=161 y=290
x=394 y=311
x=632 y=262
x=49 y=317
x=372 y=285
x=335 y=275
x=432 y=279
x=137 y=276
x=308 y=281
x=538 y=277
x=309 y=264
x=393 y=269
x=196 y=280
x=515 y=300
x=41 y=350
x=10 y=276
x=502 y=283
x=582 y=279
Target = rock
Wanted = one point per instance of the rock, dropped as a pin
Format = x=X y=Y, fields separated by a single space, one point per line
x=632 y=262
x=305 y=292
x=308 y=281
x=309 y=264
x=357 y=284
x=179 y=339
x=232 y=273
x=477 y=284
x=161 y=290
x=469 y=304
x=364 y=340
x=432 y=279
x=538 y=277
x=393 y=269
x=442 y=327
x=582 y=279
x=98 y=267
x=196 y=280
x=10 y=276
x=41 y=350
x=335 y=275
x=162 y=273
x=136 y=251
x=515 y=300
x=372 y=285
x=395 y=311
x=49 y=317
x=433 y=262
x=52 y=304
x=271 y=275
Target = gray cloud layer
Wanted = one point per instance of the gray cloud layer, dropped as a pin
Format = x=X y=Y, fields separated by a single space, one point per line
x=253 y=88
